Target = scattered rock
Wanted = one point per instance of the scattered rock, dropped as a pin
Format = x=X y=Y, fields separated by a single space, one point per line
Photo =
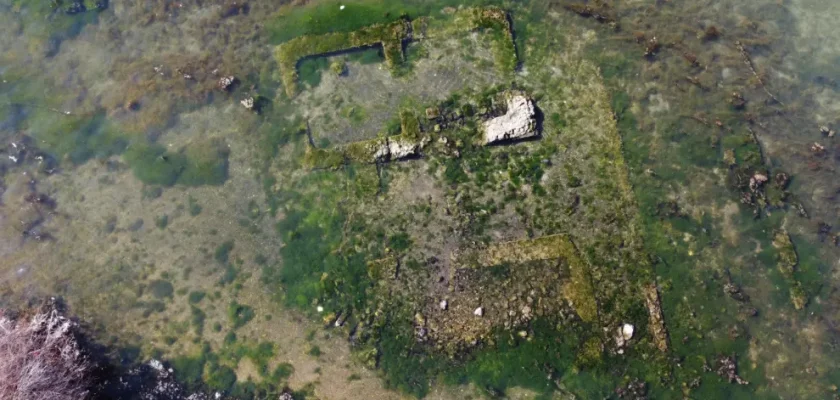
x=248 y=102
x=226 y=82
x=520 y=121
x=817 y=149
x=735 y=292
x=634 y=390
x=738 y=102
x=782 y=180
x=729 y=370
x=623 y=335
x=757 y=181
x=826 y=131
x=432 y=113
x=444 y=305
x=478 y=312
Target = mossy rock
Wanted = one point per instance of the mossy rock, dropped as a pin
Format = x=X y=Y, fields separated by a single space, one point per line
x=323 y=158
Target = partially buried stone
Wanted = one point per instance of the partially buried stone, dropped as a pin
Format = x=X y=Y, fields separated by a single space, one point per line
x=226 y=82
x=520 y=121
x=248 y=102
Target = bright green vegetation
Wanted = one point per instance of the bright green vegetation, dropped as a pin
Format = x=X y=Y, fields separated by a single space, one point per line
x=318 y=18
x=215 y=369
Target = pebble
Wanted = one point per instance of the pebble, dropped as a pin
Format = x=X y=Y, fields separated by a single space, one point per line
x=478 y=312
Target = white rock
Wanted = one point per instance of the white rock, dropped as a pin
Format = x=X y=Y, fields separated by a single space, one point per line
x=623 y=335
x=401 y=148
x=320 y=309
x=444 y=304
x=156 y=365
x=519 y=122
x=627 y=331
x=478 y=312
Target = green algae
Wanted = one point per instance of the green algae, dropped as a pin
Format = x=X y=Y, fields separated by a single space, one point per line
x=77 y=139
x=199 y=164
x=239 y=314
x=154 y=165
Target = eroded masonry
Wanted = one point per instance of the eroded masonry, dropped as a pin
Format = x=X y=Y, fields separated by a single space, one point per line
x=486 y=225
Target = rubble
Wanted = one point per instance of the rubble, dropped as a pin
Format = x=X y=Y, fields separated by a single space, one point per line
x=623 y=335
x=634 y=390
x=729 y=370
x=226 y=82
x=757 y=181
x=248 y=102
x=520 y=121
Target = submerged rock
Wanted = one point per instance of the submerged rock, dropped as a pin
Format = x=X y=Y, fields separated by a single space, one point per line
x=729 y=370
x=248 y=102
x=226 y=82
x=520 y=121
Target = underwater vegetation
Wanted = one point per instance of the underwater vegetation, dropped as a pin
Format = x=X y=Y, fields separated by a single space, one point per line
x=203 y=163
x=392 y=37
x=643 y=244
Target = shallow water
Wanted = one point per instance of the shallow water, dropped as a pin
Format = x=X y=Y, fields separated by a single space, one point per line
x=157 y=205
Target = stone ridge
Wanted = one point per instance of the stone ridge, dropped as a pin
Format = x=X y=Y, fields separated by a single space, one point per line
x=392 y=37
x=519 y=122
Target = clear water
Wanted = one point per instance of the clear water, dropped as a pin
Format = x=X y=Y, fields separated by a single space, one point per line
x=157 y=205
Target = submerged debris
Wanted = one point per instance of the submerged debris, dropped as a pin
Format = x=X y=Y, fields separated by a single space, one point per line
x=636 y=389
x=749 y=63
x=622 y=336
x=652 y=47
x=817 y=149
x=226 y=82
x=729 y=370
x=248 y=102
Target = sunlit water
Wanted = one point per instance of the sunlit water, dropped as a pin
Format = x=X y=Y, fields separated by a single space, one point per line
x=90 y=104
